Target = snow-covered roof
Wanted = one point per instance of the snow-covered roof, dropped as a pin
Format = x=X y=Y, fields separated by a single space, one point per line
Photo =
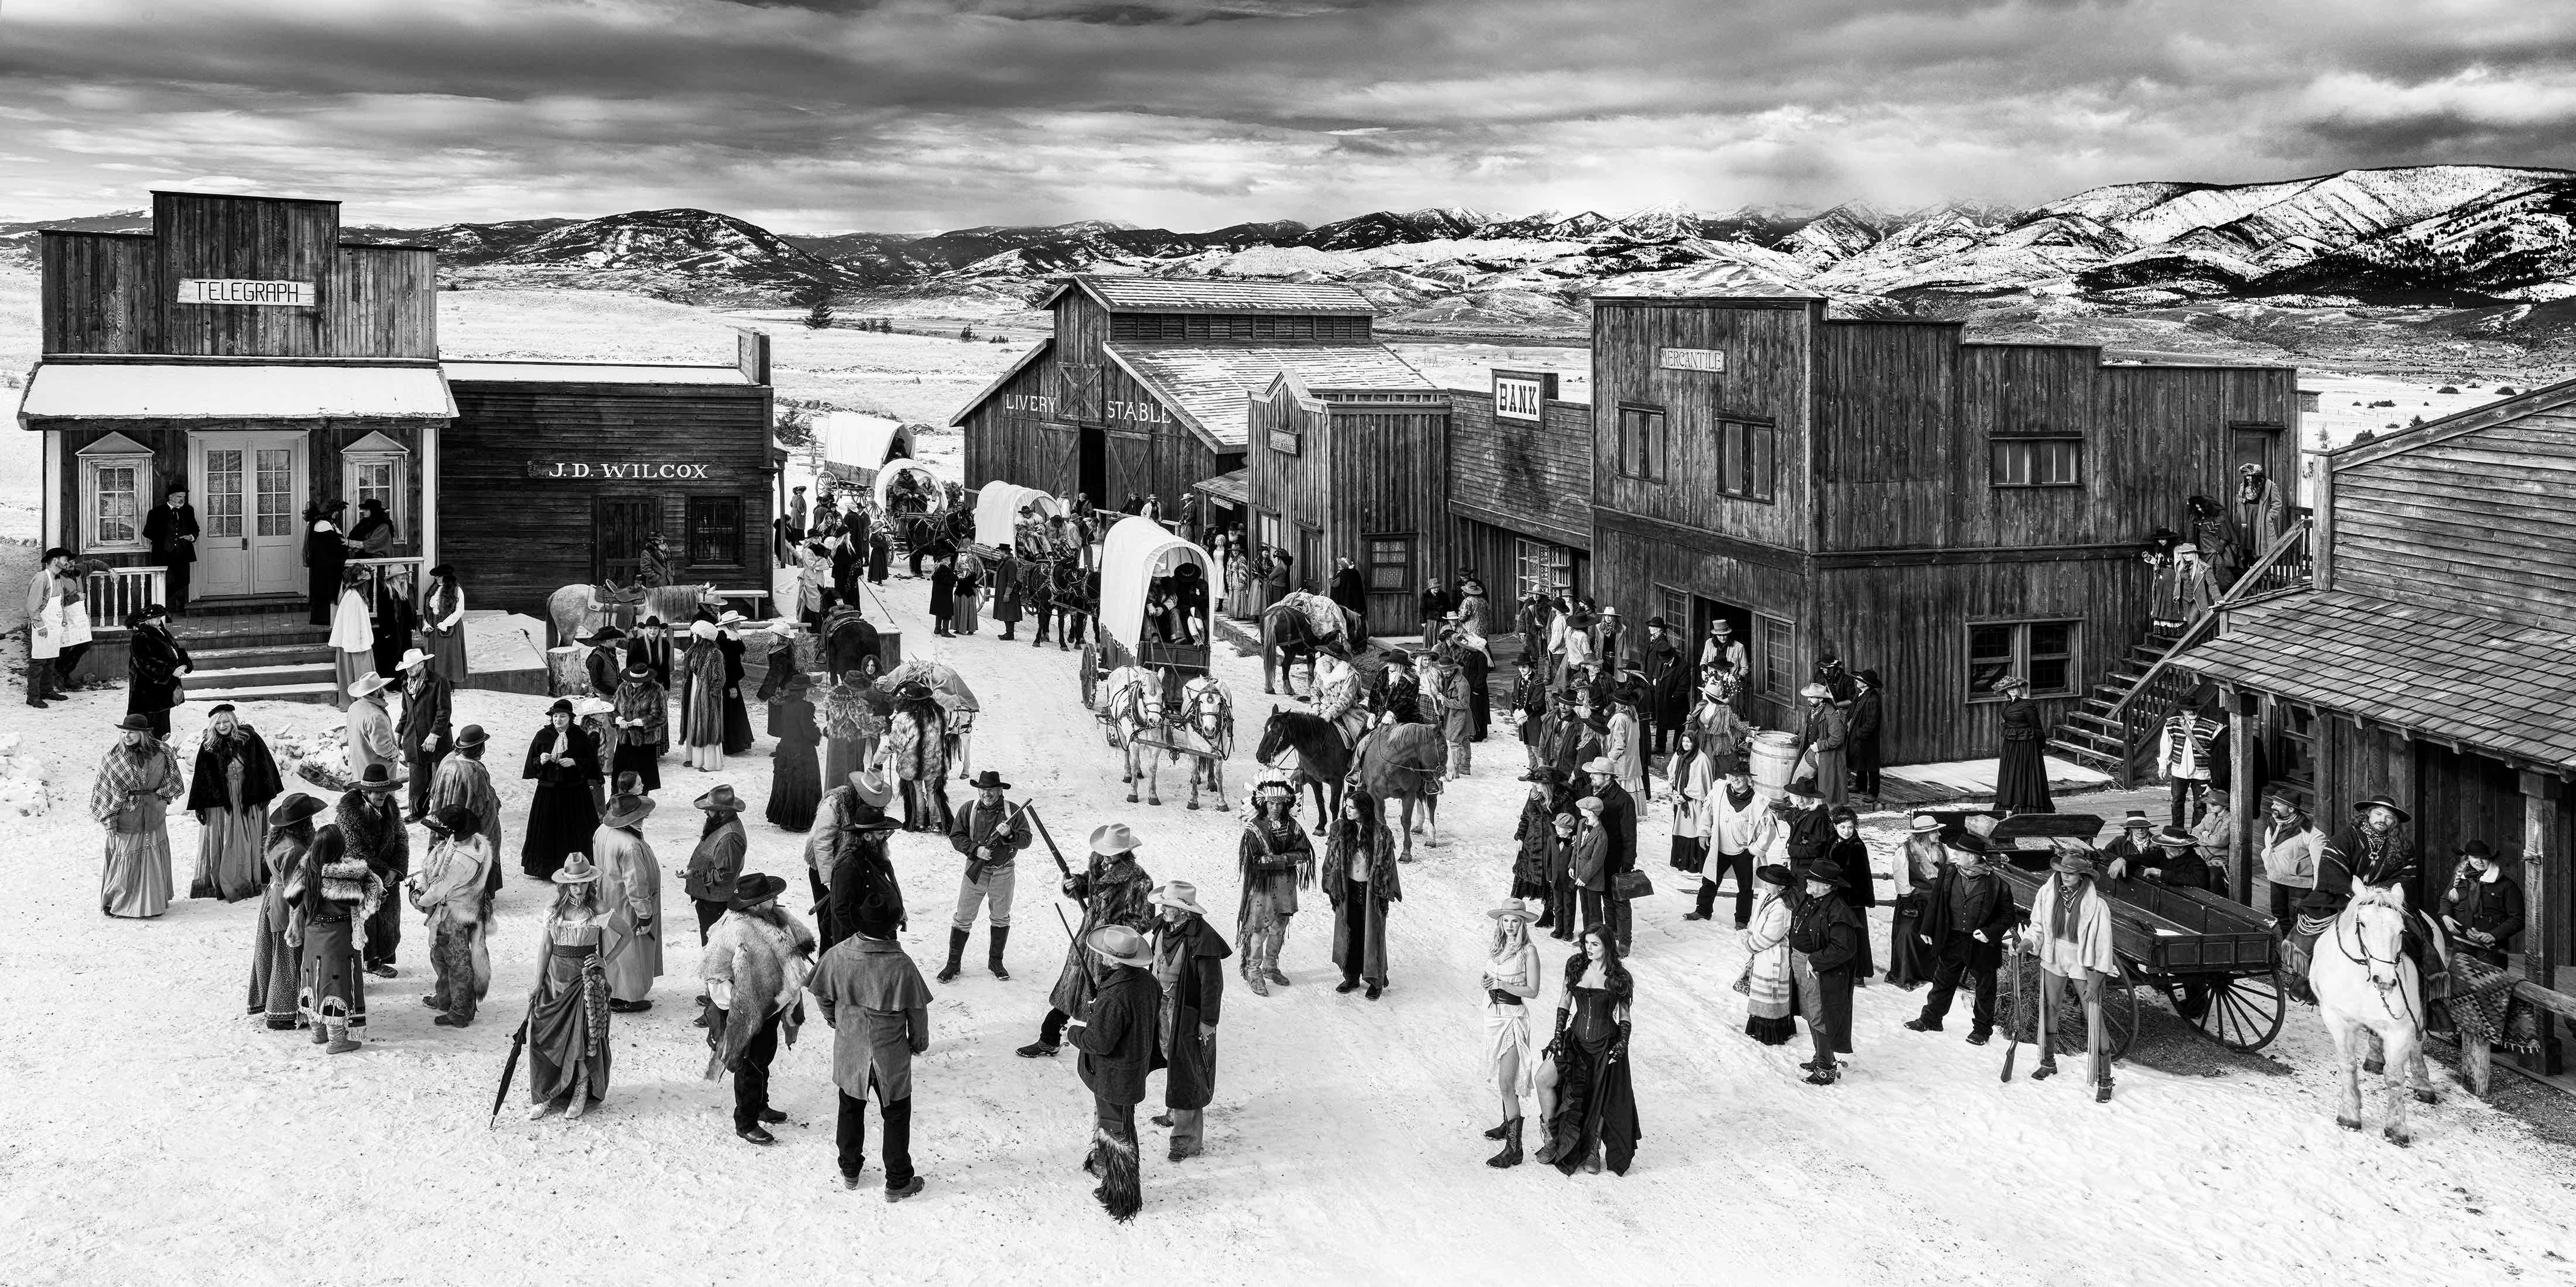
x=184 y=390
x=1134 y=552
x=1211 y=388
x=1189 y=295
x=498 y=371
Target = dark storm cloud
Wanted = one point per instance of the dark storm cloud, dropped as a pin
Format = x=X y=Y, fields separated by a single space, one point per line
x=912 y=113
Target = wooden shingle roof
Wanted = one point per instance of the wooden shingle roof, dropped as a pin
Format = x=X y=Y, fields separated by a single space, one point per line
x=1211 y=388
x=1121 y=294
x=2448 y=677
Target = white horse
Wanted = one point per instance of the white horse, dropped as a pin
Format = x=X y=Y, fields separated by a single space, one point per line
x=2365 y=986
x=1132 y=699
x=1203 y=732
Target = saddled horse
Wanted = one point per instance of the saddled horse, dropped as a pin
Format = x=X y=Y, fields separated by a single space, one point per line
x=578 y=610
x=1403 y=761
x=1289 y=637
x=1322 y=757
x=2366 y=986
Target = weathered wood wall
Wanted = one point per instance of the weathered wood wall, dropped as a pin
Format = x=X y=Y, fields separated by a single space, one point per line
x=516 y=539
x=1769 y=353
x=1631 y=557
x=2481 y=519
x=1493 y=553
x=324 y=440
x=1531 y=478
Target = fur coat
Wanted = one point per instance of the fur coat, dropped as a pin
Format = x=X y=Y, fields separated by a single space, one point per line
x=763 y=966
x=917 y=737
x=371 y=821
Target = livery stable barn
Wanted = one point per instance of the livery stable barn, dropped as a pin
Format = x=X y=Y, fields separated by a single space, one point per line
x=243 y=351
x=1519 y=502
x=1946 y=513
x=2431 y=659
x=1144 y=386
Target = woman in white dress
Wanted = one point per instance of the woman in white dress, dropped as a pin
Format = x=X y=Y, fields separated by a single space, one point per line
x=353 y=638
x=1511 y=981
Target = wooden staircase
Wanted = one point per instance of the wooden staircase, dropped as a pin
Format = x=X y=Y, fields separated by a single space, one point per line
x=2095 y=734
x=264 y=655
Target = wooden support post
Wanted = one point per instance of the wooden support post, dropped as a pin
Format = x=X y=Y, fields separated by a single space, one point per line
x=2477 y=1063
x=2245 y=803
x=2544 y=890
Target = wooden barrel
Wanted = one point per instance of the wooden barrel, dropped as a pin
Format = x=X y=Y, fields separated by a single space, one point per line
x=1774 y=754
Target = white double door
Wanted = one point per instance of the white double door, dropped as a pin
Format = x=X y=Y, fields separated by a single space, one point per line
x=249 y=491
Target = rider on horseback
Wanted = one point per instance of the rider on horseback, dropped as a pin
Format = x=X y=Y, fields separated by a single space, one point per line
x=2371 y=852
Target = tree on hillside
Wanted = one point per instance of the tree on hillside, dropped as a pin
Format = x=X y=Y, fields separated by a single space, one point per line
x=818 y=308
x=967 y=333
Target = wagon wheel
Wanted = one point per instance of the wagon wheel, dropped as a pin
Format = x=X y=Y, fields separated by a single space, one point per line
x=1087 y=670
x=2021 y=1005
x=2239 y=1012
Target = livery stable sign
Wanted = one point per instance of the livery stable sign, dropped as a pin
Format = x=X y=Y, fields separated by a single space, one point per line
x=226 y=290
x=616 y=471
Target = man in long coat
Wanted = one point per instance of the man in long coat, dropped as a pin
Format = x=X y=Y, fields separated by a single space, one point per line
x=1820 y=745
x=1964 y=924
x=630 y=879
x=1860 y=735
x=1186 y=955
x=372 y=741
x=463 y=782
x=1668 y=684
x=372 y=824
x=171 y=527
x=873 y=997
x=1113 y=890
x=1116 y=1035
x=428 y=699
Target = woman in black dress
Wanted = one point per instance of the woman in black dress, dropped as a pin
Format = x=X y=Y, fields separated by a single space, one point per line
x=155 y=666
x=1926 y=862
x=737 y=716
x=943 y=594
x=563 y=761
x=374 y=533
x=326 y=552
x=796 y=773
x=2021 y=779
x=395 y=620
x=1584 y=1092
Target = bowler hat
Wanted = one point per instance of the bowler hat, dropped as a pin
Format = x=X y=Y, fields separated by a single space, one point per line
x=378 y=778
x=1121 y=944
x=2176 y=837
x=135 y=724
x=296 y=807
x=562 y=706
x=639 y=669
x=751 y=889
x=1657 y=623
x=988 y=780
x=720 y=800
x=2381 y=802
x=1110 y=838
x=2136 y=818
x=471 y=735
x=1179 y=893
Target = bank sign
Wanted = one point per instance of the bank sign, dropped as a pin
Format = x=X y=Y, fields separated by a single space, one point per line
x=1518 y=397
x=617 y=471
x=224 y=290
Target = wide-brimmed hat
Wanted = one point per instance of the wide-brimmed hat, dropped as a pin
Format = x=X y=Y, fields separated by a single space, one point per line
x=2074 y=862
x=1657 y=623
x=2136 y=818
x=720 y=800
x=1179 y=893
x=1830 y=873
x=751 y=889
x=1923 y=822
x=1512 y=911
x=2176 y=836
x=988 y=780
x=2381 y=802
x=2010 y=682
x=135 y=724
x=413 y=657
x=378 y=777
x=626 y=810
x=1600 y=764
x=1610 y=610
x=576 y=870
x=606 y=634
x=732 y=618
x=589 y=706
x=639 y=668
x=1816 y=692
x=1773 y=873
x=296 y=807
x=872 y=787
x=470 y=735
x=457 y=819
x=1805 y=786
x=1121 y=944
x=366 y=685
x=1113 y=838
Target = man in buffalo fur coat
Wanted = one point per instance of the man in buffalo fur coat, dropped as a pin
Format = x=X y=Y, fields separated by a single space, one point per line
x=371 y=819
x=755 y=964
x=1116 y=1036
x=1113 y=891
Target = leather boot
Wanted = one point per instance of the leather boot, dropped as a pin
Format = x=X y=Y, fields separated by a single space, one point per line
x=993 y=956
x=1511 y=1154
x=956 y=951
x=340 y=1043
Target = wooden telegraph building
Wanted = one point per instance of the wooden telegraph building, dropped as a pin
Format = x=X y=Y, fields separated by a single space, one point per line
x=246 y=353
x=1351 y=465
x=1145 y=386
x=2431 y=658
x=1519 y=501
x=1945 y=513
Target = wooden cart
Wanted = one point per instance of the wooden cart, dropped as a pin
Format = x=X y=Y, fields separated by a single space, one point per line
x=2213 y=960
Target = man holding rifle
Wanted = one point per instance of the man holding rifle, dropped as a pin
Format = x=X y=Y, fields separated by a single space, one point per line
x=1113 y=890
x=991 y=834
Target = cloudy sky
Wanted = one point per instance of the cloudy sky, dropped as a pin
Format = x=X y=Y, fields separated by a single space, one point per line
x=912 y=115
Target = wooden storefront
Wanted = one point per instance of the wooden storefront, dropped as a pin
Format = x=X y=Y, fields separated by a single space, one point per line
x=1352 y=473
x=2432 y=660
x=1944 y=513
x=1519 y=489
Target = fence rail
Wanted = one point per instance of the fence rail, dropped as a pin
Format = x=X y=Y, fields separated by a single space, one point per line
x=114 y=593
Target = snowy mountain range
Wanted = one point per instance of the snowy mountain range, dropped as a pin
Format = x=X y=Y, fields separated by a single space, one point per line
x=2449 y=237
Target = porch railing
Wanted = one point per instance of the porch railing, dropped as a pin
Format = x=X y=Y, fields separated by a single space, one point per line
x=405 y=575
x=113 y=593
x=2142 y=711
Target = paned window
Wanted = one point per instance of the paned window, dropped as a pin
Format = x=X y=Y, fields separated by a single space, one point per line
x=2037 y=462
x=1748 y=460
x=1390 y=563
x=1541 y=568
x=1772 y=657
x=2042 y=652
x=1642 y=445
x=715 y=529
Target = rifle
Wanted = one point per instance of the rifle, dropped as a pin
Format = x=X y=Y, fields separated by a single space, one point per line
x=1040 y=820
x=2012 y=1034
x=974 y=865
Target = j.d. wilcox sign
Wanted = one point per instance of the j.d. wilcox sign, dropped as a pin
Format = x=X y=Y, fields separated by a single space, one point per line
x=620 y=471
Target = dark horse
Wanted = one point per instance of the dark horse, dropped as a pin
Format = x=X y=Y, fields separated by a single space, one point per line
x=1323 y=756
x=1287 y=638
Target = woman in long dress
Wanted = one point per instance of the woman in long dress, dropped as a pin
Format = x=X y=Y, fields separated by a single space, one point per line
x=1585 y=1090
x=2021 y=776
x=1361 y=879
x=630 y=879
x=568 y=1009
x=326 y=558
x=353 y=639
x=229 y=791
x=1926 y=862
x=737 y=713
x=1691 y=775
x=643 y=724
x=442 y=623
x=273 y=960
x=970 y=585
x=1770 y=1009
x=702 y=705
x=155 y=665
x=1512 y=980
x=796 y=773
x=334 y=896
x=131 y=798
x=563 y=762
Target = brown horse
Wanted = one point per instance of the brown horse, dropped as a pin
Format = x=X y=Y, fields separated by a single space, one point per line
x=1287 y=638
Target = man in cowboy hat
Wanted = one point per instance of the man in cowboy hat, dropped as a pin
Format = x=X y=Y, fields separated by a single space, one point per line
x=1116 y=1035
x=601 y=663
x=2070 y=934
x=1827 y=946
x=2134 y=850
x=1723 y=650
x=2372 y=850
x=1965 y=922
x=2191 y=752
x=718 y=857
x=2178 y=861
x=450 y=890
x=1619 y=828
x=1186 y=955
x=630 y=879
x=1113 y=891
x=428 y=697
x=462 y=782
x=1821 y=743
x=2291 y=847
x=372 y=824
x=1668 y=685
x=372 y=740
x=873 y=997
x=1806 y=826
x=991 y=834
x=1863 y=724
x=850 y=825
x=754 y=966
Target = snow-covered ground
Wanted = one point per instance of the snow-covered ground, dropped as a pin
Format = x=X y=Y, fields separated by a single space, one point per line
x=155 y=1133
